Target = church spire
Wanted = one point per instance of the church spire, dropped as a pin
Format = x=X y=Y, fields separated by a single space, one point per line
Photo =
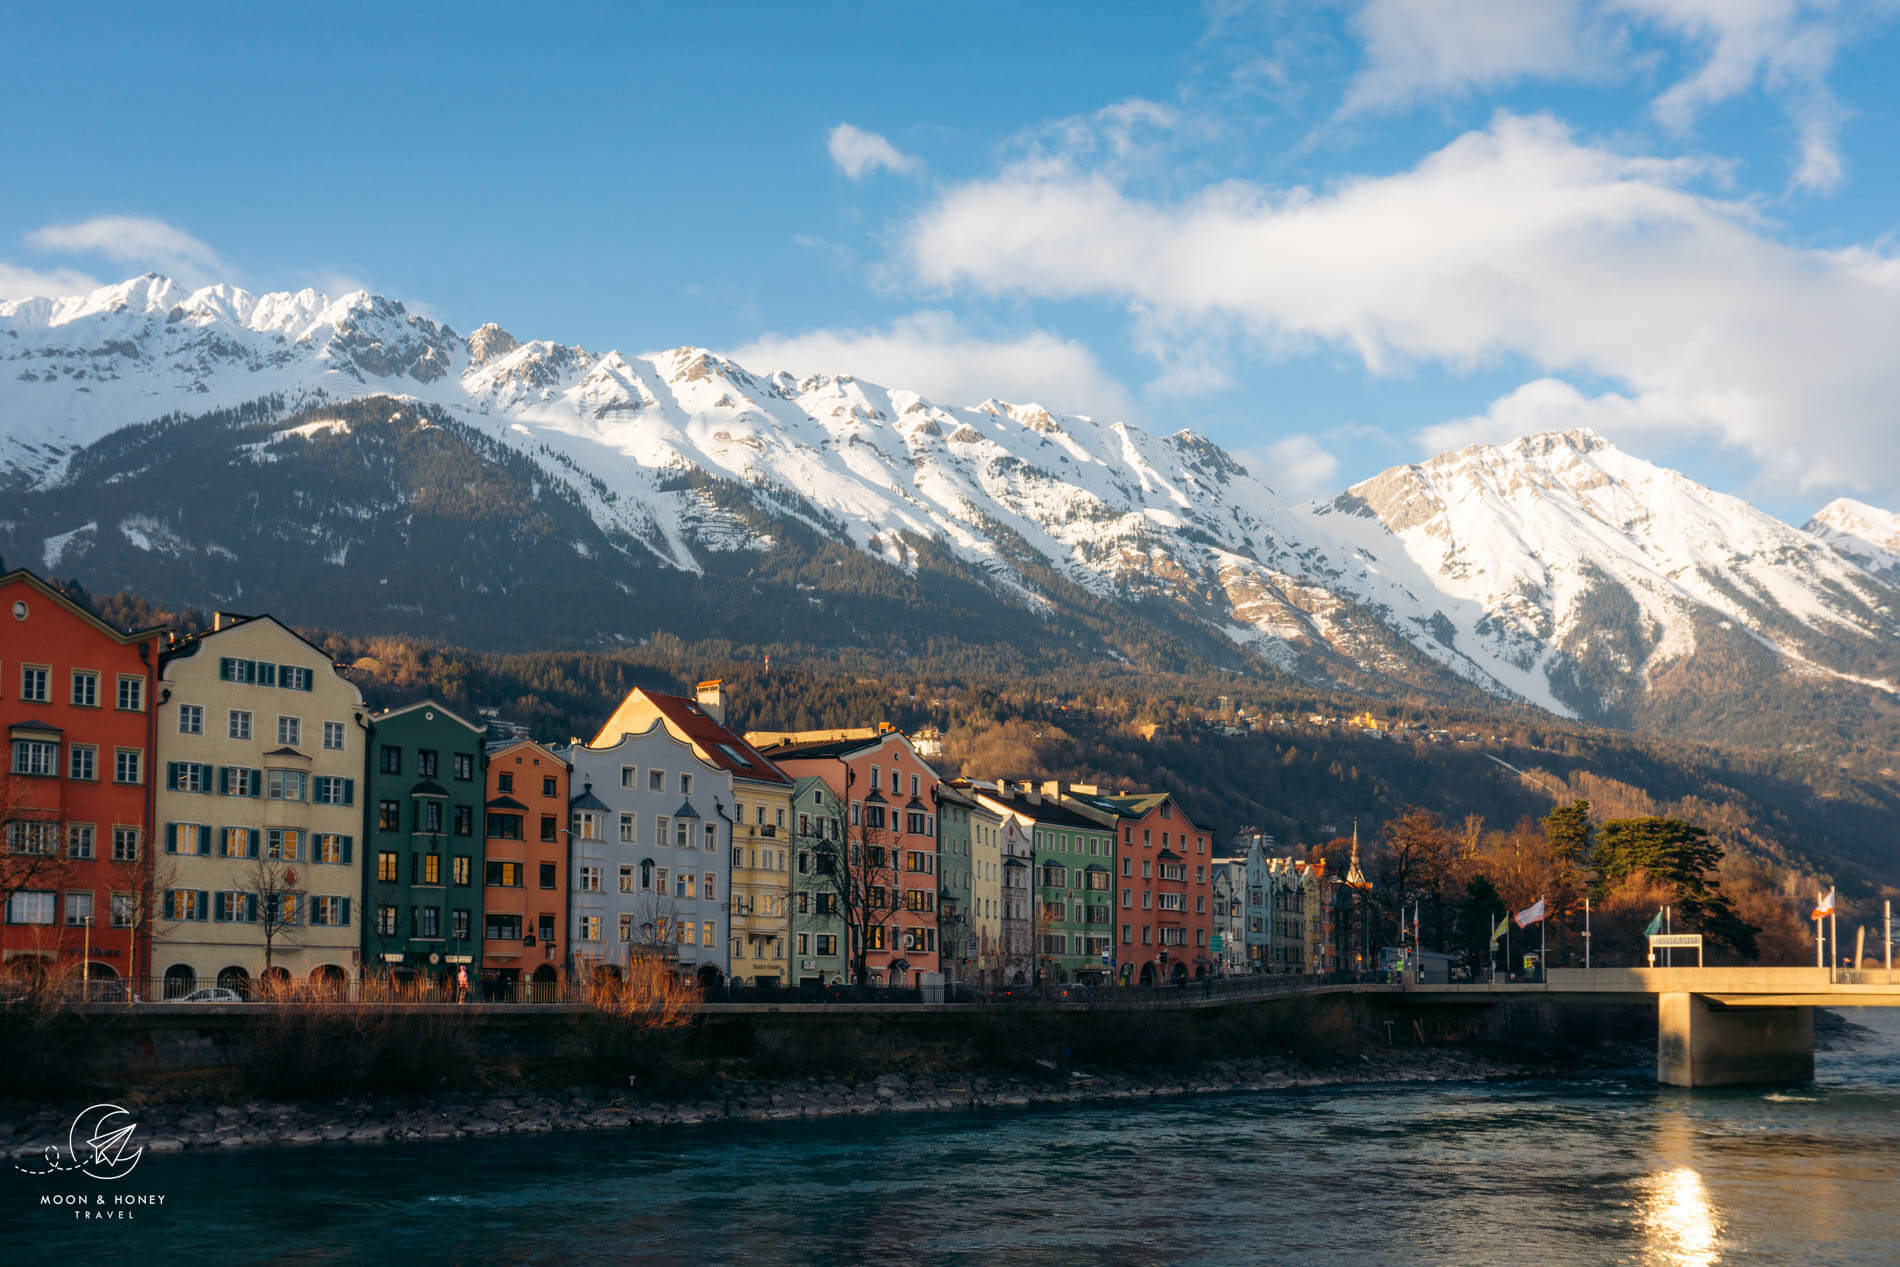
x=1356 y=878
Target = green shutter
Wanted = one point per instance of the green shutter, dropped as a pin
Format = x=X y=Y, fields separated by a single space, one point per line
x=169 y=904
x=347 y=844
x=250 y=908
x=204 y=840
x=349 y=791
x=171 y=838
x=171 y=776
x=255 y=836
x=343 y=917
x=257 y=784
x=204 y=775
x=204 y=900
x=224 y=780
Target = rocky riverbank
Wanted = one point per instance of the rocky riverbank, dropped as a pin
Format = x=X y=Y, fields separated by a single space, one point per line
x=173 y=1126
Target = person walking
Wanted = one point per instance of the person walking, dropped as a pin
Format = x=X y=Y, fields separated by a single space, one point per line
x=461 y=984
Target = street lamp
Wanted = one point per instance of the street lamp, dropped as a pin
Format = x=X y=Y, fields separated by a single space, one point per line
x=85 y=965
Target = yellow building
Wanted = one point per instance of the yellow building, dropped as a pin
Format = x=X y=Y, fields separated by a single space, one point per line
x=759 y=939
x=259 y=810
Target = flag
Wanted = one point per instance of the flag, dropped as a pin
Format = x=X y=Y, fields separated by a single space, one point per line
x=1655 y=925
x=1531 y=914
x=1504 y=922
x=1824 y=905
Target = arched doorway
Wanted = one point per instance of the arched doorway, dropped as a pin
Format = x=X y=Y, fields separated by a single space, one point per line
x=103 y=984
x=180 y=979
x=1180 y=972
x=27 y=971
x=235 y=978
x=1147 y=974
x=328 y=978
x=274 y=982
x=709 y=977
x=900 y=973
x=546 y=983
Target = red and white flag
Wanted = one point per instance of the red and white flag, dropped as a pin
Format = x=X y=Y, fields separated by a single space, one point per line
x=1824 y=905
x=1530 y=914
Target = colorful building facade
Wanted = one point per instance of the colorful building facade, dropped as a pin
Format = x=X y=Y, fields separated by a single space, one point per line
x=259 y=784
x=76 y=700
x=524 y=873
x=818 y=926
x=423 y=881
x=1070 y=877
x=1163 y=879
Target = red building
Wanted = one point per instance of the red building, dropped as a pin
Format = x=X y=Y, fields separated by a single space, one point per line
x=76 y=870
x=890 y=800
x=1164 y=877
x=524 y=874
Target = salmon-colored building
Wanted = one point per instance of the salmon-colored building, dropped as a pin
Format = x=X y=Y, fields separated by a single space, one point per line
x=890 y=800
x=524 y=866
x=1164 y=895
x=76 y=698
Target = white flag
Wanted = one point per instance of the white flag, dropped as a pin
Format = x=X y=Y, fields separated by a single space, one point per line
x=1531 y=914
x=1824 y=906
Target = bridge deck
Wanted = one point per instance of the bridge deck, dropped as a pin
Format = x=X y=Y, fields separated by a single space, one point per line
x=1731 y=987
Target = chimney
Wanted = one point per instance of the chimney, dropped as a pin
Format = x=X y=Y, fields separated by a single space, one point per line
x=712 y=699
x=1052 y=788
x=224 y=620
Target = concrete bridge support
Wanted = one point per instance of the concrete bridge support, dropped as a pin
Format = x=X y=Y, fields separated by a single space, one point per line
x=1701 y=1043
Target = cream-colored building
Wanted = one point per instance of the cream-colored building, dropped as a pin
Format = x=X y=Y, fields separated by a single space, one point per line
x=759 y=927
x=259 y=810
x=986 y=884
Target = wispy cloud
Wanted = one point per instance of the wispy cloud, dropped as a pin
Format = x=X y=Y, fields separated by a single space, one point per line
x=859 y=153
x=26 y=283
x=138 y=241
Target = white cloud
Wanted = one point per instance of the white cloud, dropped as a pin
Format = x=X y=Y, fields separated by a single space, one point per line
x=139 y=241
x=1787 y=46
x=859 y=153
x=1297 y=467
x=27 y=283
x=1513 y=241
x=931 y=354
x=1551 y=404
x=1430 y=48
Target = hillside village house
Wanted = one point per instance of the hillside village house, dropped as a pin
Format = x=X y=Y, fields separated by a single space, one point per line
x=524 y=873
x=649 y=856
x=423 y=881
x=761 y=856
x=76 y=699
x=259 y=810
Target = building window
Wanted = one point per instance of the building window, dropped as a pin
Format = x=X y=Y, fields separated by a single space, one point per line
x=80 y=840
x=36 y=836
x=27 y=907
x=333 y=735
x=121 y=914
x=238 y=724
x=627 y=822
x=465 y=820
x=646 y=875
x=191 y=719
x=459 y=923
x=33 y=687
x=463 y=869
x=504 y=827
x=430 y=872
x=332 y=848
x=712 y=839
x=626 y=879
x=550 y=826
x=656 y=780
x=85 y=689
x=587 y=824
x=429 y=817
x=285 y=785
x=389 y=760
x=292 y=678
x=290 y=731
x=128 y=765
x=590 y=928
x=131 y=694
x=682 y=833
x=427 y=921
x=82 y=763
x=184 y=904
x=501 y=927
x=627 y=776
x=683 y=884
x=386 y=921
x=328 y=789
x=125 y=844
x=686 y=784
x=589 y=881
x=386 y=866
x=283 y=844
x=334 y=912
x=547 y=875
x=464 y=767
x=504 y=782
x=236 y=908
x=388 y=816
x=35 y=756
x=425 y=763
x=550 y=786
x=626 y=927
x=239 y=781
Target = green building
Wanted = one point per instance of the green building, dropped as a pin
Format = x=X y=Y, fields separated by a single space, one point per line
x=423 y=864
x=818 y=940
x=1072 y=897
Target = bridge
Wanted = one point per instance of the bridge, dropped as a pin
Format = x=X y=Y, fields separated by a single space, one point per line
x=1714 y=1026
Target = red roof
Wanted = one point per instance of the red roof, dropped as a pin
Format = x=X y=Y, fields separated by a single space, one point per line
x=728 y=750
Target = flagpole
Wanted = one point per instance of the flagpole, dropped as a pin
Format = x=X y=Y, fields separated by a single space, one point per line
x=1543 y=945
x=1833 y=942
x=1586 y=934
x=1669 y=926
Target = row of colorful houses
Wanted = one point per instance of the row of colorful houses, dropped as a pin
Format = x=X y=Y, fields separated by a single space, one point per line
x=223 y=808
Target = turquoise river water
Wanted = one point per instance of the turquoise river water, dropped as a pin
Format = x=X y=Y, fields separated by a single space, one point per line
x=1605 y=1169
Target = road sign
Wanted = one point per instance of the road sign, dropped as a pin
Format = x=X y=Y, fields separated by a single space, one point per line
x=1677 y=939
x=1216 y=942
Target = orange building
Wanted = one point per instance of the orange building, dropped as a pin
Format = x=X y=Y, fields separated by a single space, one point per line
x=524 y=896
x=75 y=864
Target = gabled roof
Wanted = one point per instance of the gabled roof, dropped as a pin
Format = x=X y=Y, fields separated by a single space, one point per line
x=1133 y=804
x=506 y=802
x=428 y=787
x=186 y=648
x=588 y=801
x=47 y=589
x=509 y=745
x=451 y=714
x=686 y=810
x=1048 y=812
x=727 y=749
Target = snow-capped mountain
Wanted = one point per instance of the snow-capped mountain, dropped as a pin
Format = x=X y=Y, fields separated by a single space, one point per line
x=305 y=452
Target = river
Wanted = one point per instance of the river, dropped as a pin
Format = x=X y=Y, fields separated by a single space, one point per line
x=1593 y=1170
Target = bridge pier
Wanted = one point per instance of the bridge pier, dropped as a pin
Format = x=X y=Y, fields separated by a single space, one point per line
x=1701 y=1043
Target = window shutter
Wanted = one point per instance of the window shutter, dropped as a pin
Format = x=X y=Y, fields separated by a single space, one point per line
x=204 y=900
x=255 y=835
x=171 y=839
x=204 y=840
x=224 y=780
x=257 y=784
x=169 y=905
x=217 y=908
x=171 y=776
x=349 y=791
x=346 y=851
x=344 y=917
x=204 y=776
x=250 y=908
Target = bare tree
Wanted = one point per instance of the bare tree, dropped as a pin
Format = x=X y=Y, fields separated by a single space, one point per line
x=861 y=873
x=136 y=901
x=32 y=854
x=279 y=905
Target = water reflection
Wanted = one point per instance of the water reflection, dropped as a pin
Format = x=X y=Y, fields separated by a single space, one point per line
x=1680 y=1224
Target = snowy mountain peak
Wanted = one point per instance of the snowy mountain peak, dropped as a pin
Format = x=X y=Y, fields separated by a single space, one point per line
x=1865 y=533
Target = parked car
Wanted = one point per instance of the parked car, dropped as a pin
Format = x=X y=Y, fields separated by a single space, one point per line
x=210 y=994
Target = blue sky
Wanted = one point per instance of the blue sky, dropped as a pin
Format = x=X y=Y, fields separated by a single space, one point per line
x=1332 y=237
